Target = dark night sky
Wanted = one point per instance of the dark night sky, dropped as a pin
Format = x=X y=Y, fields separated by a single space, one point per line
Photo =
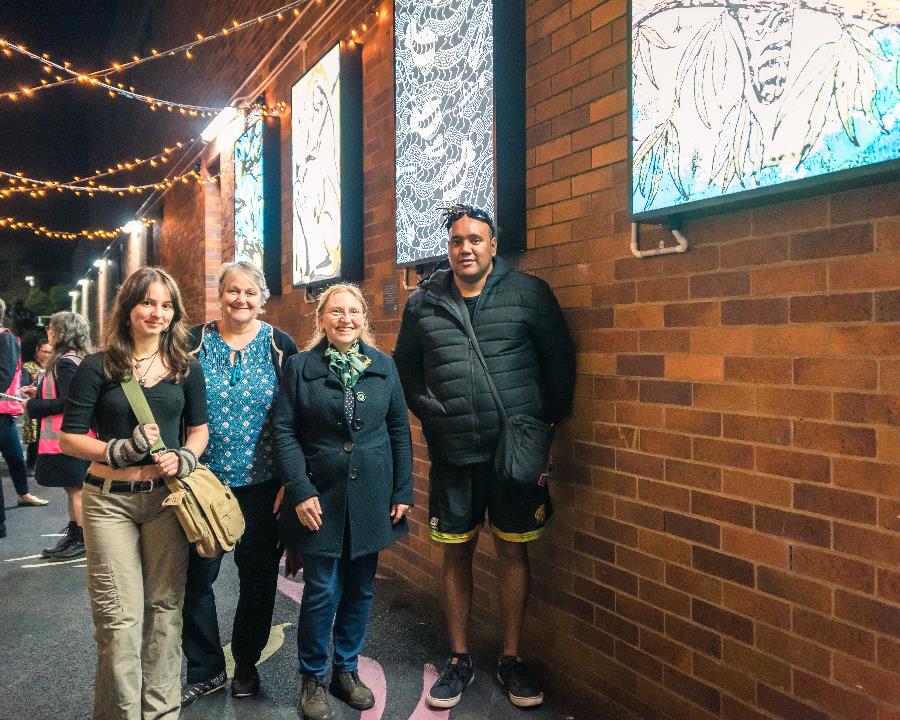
x=57 y=133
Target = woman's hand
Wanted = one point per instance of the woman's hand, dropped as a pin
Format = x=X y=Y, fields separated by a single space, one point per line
x=168 y=463
x=278 y=498
x=309 y=513
x=397 y=512
x=28 y=391
x=151 y=431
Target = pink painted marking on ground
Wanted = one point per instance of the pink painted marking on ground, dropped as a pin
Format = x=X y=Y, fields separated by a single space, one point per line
x=371 y=673
x=422 y=711
x=291 y=588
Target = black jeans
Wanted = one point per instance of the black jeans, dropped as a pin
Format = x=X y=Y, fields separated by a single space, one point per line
x=257 y=556
x=11 y=449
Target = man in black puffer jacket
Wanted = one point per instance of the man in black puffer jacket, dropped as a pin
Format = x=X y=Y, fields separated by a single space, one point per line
x=526 y=344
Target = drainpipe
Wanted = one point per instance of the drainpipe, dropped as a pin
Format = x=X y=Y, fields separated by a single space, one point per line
x=663 y=249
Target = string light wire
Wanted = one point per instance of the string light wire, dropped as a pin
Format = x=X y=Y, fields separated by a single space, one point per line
x=92 y=77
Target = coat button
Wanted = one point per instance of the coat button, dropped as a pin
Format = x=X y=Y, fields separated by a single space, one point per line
x=354 y=474
x=348 y=447
x=358 y=424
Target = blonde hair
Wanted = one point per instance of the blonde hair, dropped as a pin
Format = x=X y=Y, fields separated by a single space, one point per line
x=318 y=334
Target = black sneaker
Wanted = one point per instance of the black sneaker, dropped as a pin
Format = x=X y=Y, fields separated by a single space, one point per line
x=75 y=548
x=516 y=680
x=346 y=686
x=192 y=692
x=68 y=531
x=313 y=703
x=457 y=675
x=245 y=681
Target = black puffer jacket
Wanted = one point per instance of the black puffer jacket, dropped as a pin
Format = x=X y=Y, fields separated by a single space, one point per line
x=524 y=338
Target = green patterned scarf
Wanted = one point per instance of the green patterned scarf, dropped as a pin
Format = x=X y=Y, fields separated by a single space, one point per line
x=348 y=366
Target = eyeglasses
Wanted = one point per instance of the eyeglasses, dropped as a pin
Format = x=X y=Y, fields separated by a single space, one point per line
x=337 y=314
x=454 y=212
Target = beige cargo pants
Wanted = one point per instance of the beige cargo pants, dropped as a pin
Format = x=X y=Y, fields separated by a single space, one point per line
x=137 y=559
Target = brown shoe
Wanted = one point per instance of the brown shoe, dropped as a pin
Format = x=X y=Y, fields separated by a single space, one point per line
x=313 y=702
x=348 y=687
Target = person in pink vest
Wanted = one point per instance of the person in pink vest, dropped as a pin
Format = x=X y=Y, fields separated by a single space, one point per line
x=10 y=409
x=69 y=334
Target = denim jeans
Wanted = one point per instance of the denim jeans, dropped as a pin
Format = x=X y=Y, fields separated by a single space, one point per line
x=256 y=556
x=11 y=449
x=337 y=593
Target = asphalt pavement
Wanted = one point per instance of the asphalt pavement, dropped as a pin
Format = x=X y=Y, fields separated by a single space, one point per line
x=47 y=648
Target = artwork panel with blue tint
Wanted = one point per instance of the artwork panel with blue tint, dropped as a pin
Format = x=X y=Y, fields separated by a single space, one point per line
x=248 y=196
x=733 y=96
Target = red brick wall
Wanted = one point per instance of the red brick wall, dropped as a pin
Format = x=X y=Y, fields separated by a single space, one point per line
x=725 y=542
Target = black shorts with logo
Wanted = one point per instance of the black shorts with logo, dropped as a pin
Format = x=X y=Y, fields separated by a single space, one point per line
x=459 y=495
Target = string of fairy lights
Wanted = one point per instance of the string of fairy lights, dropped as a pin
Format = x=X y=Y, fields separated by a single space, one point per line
x=39 y=188
x=93 y=79
x=11 y=223
x=88 y=186
x=186 y=48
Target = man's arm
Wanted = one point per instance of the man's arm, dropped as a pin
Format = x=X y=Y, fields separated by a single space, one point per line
x=557 y=357
x=9 y=359
x=408 y=356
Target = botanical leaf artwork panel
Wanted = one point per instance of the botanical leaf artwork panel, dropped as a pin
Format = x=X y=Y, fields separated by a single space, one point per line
x=248 y=196
x=316 y=172
x=444 y=85
x=744 y=94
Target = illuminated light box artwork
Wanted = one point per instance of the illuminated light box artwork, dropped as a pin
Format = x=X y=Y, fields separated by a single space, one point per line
x=459 y=134
x=740 y=100
x=248 y=196
x=326 y=136
x=257 y=226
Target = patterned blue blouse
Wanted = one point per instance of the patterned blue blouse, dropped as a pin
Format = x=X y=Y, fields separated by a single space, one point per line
x=239 y=399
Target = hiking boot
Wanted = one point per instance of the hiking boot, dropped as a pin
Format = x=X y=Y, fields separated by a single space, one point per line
x=348 y=687
x=457 y=675
x=245 y=681
x=75 y=548
x=61 y=544
x=313 y=702
x=192 y=692
x=516 y=680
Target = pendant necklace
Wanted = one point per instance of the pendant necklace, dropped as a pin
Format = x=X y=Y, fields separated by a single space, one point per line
x=142 y=377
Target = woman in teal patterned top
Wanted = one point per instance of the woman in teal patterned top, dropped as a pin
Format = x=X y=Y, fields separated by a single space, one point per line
x=242 y=357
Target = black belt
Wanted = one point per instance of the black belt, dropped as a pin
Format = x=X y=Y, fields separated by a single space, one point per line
x=138 y=486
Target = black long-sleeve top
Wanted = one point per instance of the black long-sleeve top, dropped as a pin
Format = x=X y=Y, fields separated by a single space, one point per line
x=9 y=359
x=38 y=408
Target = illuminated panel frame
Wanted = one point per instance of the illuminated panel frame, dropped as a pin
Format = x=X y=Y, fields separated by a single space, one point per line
x=257 y=199
x=460 y=136
x=327 y=170
x=735 y=103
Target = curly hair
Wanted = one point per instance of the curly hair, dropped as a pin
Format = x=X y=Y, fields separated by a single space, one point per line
x=118 y=343
x=73 y=333
x=318 y=334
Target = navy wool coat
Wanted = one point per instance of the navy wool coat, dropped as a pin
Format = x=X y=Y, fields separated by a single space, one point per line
x=357 y=469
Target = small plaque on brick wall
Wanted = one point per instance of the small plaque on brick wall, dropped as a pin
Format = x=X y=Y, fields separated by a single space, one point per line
x=391 y=292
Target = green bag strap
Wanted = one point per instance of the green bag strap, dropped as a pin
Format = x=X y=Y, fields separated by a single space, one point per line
x=144 y=415
x=141 y=409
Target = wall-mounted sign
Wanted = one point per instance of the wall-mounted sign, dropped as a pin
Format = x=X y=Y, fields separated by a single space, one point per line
x=460 y=136
x=326 y=174
x=737 y=100
x=257 y=200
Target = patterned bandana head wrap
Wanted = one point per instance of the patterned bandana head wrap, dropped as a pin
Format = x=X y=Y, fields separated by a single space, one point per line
x=348 y=366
